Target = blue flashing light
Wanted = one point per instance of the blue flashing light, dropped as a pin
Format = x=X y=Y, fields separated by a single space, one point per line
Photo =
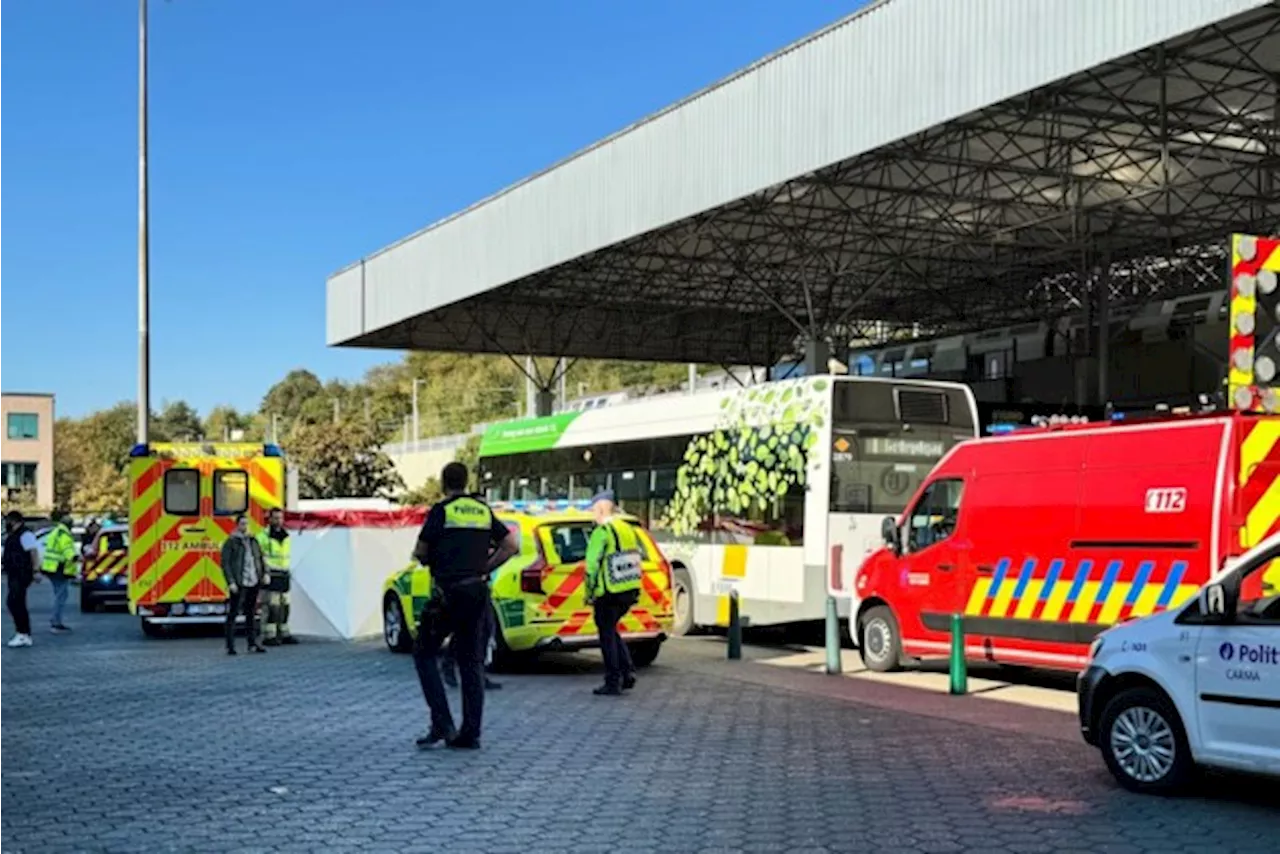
x=270 y=450
x=1001 y=429
x=542 y=505
x=142 y=449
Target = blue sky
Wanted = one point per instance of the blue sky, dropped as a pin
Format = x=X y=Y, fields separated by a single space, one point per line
x=288 y=138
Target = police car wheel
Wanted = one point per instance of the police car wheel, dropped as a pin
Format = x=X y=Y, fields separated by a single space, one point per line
x=395 y=630
x=1143 y=742
x=682 y=602
x=879 y=641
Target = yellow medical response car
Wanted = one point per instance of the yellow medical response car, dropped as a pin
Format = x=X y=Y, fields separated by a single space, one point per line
x=183 y=502
x=539 y=595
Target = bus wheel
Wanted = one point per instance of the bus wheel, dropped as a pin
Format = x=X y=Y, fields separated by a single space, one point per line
x=150 y=629
x=879 y=641
x=682 y=602
x=1143 y=742
x=395 y=631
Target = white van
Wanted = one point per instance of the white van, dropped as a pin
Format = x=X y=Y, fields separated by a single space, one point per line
x=1196 y=685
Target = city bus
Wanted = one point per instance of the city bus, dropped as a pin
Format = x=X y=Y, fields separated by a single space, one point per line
x=774 y=491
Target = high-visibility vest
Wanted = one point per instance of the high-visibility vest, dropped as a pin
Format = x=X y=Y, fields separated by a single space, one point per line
x=274 y=552
x=620 y=568
x=59 y=550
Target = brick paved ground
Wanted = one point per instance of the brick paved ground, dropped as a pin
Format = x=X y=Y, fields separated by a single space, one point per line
x=115 y=743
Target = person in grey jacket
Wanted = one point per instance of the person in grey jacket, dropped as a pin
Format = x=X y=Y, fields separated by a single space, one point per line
x=246 y=573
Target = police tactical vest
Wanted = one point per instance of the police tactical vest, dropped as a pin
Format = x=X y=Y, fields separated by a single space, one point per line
x=622 y=559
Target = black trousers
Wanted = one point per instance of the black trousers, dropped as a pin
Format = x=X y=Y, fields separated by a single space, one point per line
x=16 y=602
x=609 y=609
x=462 y=614
x=243 y=601
x=449 y=661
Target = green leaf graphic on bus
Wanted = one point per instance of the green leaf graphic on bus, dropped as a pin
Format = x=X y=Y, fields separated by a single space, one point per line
x=760 y=451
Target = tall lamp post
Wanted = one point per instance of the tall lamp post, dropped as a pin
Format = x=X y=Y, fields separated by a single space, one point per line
x=144 y=295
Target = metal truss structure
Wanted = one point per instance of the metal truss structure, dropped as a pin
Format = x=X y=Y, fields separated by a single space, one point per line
x=1119 y=184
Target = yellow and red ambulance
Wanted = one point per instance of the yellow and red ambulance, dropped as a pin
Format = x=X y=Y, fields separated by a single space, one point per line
x=184 y=499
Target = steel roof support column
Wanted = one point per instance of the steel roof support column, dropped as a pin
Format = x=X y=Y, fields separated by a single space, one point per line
x=1104 y=329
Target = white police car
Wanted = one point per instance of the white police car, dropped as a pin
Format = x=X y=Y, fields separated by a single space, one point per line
x=1197 y=685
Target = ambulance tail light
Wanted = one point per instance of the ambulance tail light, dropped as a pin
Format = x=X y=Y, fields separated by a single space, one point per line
x=531 y=575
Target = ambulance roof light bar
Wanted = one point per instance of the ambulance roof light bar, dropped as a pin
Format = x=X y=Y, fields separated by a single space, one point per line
x=542 y=505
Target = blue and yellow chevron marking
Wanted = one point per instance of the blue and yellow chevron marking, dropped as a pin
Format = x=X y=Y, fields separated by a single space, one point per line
x=1063 y=595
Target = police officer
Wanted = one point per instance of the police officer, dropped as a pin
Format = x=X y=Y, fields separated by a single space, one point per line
x=59 y=566
x=274 y=541
x=461 y=542
x=613 y=588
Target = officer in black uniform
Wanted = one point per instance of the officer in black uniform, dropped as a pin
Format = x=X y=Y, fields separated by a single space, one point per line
x=461 y=542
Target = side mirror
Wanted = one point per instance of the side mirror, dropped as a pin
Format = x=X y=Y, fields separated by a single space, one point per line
x=1217 y=602
x=889 y=531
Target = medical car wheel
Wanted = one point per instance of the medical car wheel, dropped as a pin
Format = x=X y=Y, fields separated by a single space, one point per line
x=879 y=641
x=643 y=653
x=1143 y=742
x=395 y=631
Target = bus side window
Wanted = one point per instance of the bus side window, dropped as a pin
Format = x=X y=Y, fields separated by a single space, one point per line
x=182 y=492
x=230 y=492
x=933 y=519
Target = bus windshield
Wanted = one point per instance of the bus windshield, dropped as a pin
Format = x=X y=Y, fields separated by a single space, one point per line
x=877 y=470
x=886 y=438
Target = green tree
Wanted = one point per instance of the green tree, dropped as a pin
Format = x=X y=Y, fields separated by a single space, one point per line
x=341 y=461
x=223 y=420
x=91 y=457
x=176 y=422
x=288 y=398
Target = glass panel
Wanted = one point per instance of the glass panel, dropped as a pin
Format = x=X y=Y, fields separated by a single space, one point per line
x=23 y=425
x=230 y=492
x=570 y=541
x=877 y=471
x=182 y=492
x=934 y=517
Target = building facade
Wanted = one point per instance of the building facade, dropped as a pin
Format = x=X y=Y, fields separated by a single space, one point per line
x=27 y=472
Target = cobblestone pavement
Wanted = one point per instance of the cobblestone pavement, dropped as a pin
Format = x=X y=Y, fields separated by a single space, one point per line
x=115 y=743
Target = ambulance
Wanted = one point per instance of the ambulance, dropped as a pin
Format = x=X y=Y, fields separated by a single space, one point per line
x=1044 y=538
x=184 y=499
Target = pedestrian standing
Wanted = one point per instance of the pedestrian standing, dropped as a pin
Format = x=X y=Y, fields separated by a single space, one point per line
x=21 y=557
x=461 y=542
x=273 y=541
x=246 y=574
x=59 y=565
x=613 y=588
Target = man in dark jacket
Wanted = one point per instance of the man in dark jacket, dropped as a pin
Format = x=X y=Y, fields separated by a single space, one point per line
x=246 y=574
x=21 y=560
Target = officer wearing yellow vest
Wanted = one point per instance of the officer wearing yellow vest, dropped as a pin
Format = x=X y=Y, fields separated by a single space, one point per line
x=613 y=588
x=274 y=541
x=59 y=564
x=461 y=542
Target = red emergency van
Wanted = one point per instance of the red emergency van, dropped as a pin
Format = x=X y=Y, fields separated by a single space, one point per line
x=1043 y=538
